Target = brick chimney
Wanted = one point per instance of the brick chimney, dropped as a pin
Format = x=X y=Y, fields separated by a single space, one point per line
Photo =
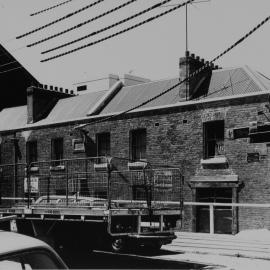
x=197 y=85
x=40 y=101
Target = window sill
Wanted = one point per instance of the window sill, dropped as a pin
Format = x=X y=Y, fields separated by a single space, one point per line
x=57 y=168
x=34 y=169
x=137 y=165
x=214 y=160
x=101 y=167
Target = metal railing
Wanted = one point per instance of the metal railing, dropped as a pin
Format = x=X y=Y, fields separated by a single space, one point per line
x=83 y=181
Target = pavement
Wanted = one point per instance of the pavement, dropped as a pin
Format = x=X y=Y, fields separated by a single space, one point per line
x=221 y=251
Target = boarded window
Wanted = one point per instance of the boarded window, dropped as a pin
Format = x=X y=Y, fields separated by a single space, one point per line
x=213 y=138
x=103 y=144
x=138 y=144
x=239 y=133
x=57 y=150
x=31 y=152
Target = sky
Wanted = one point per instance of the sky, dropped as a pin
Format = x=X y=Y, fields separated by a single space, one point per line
x=151 y=51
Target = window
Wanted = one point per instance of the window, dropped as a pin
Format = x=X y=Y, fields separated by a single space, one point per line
x=57 y=150
x=138 y=144
x=32 y=259
x=213 y=138
x=103 y=144
x=31 y=152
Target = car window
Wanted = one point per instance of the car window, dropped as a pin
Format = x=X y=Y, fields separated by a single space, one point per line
x=10 y=264
x=28 y=260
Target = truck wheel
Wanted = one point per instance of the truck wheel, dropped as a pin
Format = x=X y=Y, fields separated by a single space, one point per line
x=118 y=244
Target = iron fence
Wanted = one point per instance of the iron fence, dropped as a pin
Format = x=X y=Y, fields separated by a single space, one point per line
x=87 y=180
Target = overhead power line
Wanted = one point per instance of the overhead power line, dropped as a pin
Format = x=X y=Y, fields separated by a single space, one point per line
x=83 y=23
x=108 y=27
x=9 y=70
x=117 y=33
x=195 y=73
x=9 y=63
x=60 y=19
x=49 y=8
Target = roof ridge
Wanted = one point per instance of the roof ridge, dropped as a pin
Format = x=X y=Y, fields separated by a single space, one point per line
x=254 y=78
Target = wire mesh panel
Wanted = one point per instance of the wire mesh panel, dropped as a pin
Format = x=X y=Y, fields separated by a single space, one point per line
x=152 y=186
x=65 y=182
x=12 y=183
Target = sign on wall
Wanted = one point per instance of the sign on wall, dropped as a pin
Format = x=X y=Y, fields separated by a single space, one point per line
x=34 y=181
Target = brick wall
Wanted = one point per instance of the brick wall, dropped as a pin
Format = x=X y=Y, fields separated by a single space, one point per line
x=175 y=138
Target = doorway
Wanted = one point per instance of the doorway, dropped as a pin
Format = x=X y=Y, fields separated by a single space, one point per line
x=222 y=214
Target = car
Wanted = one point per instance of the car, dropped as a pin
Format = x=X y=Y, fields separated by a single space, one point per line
x=18 y=251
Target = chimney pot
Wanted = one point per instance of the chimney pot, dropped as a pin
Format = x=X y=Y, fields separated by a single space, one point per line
x=61 y=90
x=71 y=92
x=187 y=53
x=51 y=87
x=192 y=55
x=202 y=60
x=198 y=58
x=66 y=91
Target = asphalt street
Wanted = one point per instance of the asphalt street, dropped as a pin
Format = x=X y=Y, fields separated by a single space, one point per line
x=107 y=260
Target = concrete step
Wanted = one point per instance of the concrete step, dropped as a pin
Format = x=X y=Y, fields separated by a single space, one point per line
x=220 y=245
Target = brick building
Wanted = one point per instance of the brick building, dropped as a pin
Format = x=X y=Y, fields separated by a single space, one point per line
x=214 y=128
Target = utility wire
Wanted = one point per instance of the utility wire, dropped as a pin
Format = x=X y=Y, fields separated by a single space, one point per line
x=9 y=63
x=83 y=23
x=108 y=27
x=195 y=73
x=49 y=8
x=117 y=33
x=60 y=19
x=9 y=70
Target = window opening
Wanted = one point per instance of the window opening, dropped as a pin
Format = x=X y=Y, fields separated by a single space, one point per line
x=31 y=152
x=57 y=150
x=103 y=144
x=138 y=144
x=213 y=138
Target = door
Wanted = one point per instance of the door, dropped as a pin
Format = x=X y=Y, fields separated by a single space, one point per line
x=222 y=214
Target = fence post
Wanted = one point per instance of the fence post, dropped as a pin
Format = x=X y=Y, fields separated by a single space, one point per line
x=48 y=188
x=66 y=167
x=28 y=184
x=211 y=218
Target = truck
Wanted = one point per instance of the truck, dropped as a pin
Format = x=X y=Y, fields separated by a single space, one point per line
x=89 y=203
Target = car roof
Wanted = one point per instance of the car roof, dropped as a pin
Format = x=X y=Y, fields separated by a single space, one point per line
x=12 y=242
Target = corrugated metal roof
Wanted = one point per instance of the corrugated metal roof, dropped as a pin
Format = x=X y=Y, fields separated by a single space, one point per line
x=223 y=83
x=12 y=118
x=73 y=108
x=231 y=82
x=131 y=96
x=227 y=82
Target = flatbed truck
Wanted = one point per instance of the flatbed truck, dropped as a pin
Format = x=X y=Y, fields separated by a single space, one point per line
x=91 y=203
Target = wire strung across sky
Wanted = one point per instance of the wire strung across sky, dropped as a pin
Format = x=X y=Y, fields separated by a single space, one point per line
x=83 y=23
x=60 y=19
x=9 y=63
x=50 y=8
x=117 y=33
x=195 y=73
x=108 y=27
x=9 y=70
